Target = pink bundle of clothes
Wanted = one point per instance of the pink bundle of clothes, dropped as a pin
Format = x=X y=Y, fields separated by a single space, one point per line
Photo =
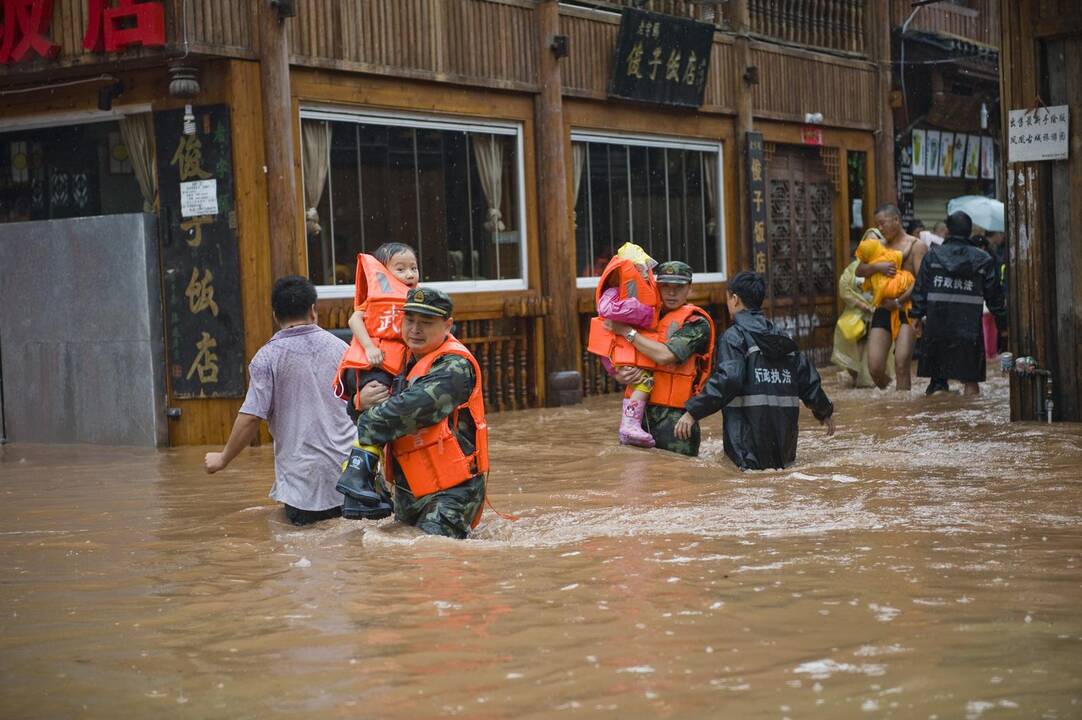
x=627 y=310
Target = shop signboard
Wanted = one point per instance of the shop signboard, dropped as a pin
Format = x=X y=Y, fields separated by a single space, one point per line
x=1042 y=133
x=200 y=261
x=757 y=203
x=661 y=59
x=26 y=26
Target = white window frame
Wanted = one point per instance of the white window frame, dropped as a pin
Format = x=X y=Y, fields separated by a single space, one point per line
x=376 y=116
x=675 y=143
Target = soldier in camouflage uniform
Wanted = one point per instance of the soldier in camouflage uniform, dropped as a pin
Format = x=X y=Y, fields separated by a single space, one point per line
x=693 y=337
x=423 y=402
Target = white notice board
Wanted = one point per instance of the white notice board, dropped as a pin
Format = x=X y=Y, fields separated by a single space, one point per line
x=199 y=197
x=1039 y=134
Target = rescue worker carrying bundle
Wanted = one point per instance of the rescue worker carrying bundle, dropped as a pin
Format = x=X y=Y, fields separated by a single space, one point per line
x=954 y=283
x=433 y=426
x=760 y=378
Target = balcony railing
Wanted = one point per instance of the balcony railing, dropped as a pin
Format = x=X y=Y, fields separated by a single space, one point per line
x=832 y=24
x=827 y=24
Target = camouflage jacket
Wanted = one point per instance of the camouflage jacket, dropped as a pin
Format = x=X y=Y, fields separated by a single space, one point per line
x=693 y=337
x=428 y=400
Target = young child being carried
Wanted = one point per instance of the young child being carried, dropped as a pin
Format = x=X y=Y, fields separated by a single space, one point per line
x=872 y=250
x=627 y=293
x=377 y=353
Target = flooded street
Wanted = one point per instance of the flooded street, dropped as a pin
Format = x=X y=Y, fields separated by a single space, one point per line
x=925 y=562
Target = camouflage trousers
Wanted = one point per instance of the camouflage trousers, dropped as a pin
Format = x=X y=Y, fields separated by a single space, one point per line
x=660 y=422
x=447 y=512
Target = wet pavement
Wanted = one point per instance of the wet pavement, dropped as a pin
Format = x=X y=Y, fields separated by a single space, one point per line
x=923 y=563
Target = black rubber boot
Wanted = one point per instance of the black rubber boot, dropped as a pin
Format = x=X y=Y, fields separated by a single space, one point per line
x=358 y=479
x=354 y=509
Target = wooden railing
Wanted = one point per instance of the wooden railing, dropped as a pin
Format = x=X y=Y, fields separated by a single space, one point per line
x=979 y=23
x=831 y=24
x=504 y=348
x=696 y=10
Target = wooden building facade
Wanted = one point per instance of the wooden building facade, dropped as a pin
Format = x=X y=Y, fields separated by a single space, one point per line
x=483 y=133
x=1042 y=64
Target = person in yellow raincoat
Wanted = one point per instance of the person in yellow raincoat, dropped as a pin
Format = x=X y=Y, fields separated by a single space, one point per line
x=851 y=332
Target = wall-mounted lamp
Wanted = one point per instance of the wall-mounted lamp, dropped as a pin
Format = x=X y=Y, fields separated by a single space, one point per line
x=183 y=80
x=560 y=46
x=285 y=8
x=984 y=116
x=107 y=94
x=813 y=118
x=751 y=75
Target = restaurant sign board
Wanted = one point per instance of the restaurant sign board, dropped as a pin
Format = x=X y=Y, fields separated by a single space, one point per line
x=661 y=59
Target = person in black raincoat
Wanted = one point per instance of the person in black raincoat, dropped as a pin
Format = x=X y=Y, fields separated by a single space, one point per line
x=954 y=283
x=760 y=378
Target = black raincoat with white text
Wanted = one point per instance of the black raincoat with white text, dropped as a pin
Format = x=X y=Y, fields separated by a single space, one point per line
x=760 y=378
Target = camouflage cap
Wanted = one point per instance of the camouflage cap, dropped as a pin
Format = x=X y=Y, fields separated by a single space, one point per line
x=428 y=301
x=674 y=271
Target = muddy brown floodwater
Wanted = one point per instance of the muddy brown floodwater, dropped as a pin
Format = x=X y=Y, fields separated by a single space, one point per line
x=924 y=563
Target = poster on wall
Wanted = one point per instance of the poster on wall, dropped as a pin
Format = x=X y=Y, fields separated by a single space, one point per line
x=1039 y=134
x=958 y=158
x=917 y=152
x=973 y=157
x=988 y=160
x=932 y=154
x=946 y=154
x=200 y=260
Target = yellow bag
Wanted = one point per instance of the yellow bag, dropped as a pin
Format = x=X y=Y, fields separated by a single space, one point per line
x=851 y=322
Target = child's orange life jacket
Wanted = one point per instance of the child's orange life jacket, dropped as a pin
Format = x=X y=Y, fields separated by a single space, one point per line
x=629 y=282
x=431 y=458
x=675 y=384
x=380 y=296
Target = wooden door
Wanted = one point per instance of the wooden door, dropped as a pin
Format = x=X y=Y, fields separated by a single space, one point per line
x=800 y=200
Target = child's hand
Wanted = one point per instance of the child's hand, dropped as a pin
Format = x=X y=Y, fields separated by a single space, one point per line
x=213 y=462
x=375 y=356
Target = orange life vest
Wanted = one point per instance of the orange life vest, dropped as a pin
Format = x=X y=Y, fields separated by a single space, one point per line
x=675 y=384
x=629 y=282
x=380 y=296
x=431 y=458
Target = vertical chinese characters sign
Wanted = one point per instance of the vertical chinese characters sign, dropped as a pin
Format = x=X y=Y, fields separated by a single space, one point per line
x=757 y=204
x=661 y=59
x=199 y=254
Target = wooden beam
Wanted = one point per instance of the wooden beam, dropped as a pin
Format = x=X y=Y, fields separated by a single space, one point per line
x=557 y=245
x=879 y=27
x=744 y=125
x=284 y=222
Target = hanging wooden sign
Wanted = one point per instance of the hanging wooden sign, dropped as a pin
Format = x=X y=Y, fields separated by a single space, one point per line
x=661 y=59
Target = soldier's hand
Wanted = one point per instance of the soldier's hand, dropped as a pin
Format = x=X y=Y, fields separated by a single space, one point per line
x=372 y=394
x=828 y=423
x=684 y=426
x=375 y=356
x=628 y=375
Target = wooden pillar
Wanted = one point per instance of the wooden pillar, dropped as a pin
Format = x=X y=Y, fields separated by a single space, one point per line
x=562 y=344
x=744 y=125
x=879 y=27
x=286 y=250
